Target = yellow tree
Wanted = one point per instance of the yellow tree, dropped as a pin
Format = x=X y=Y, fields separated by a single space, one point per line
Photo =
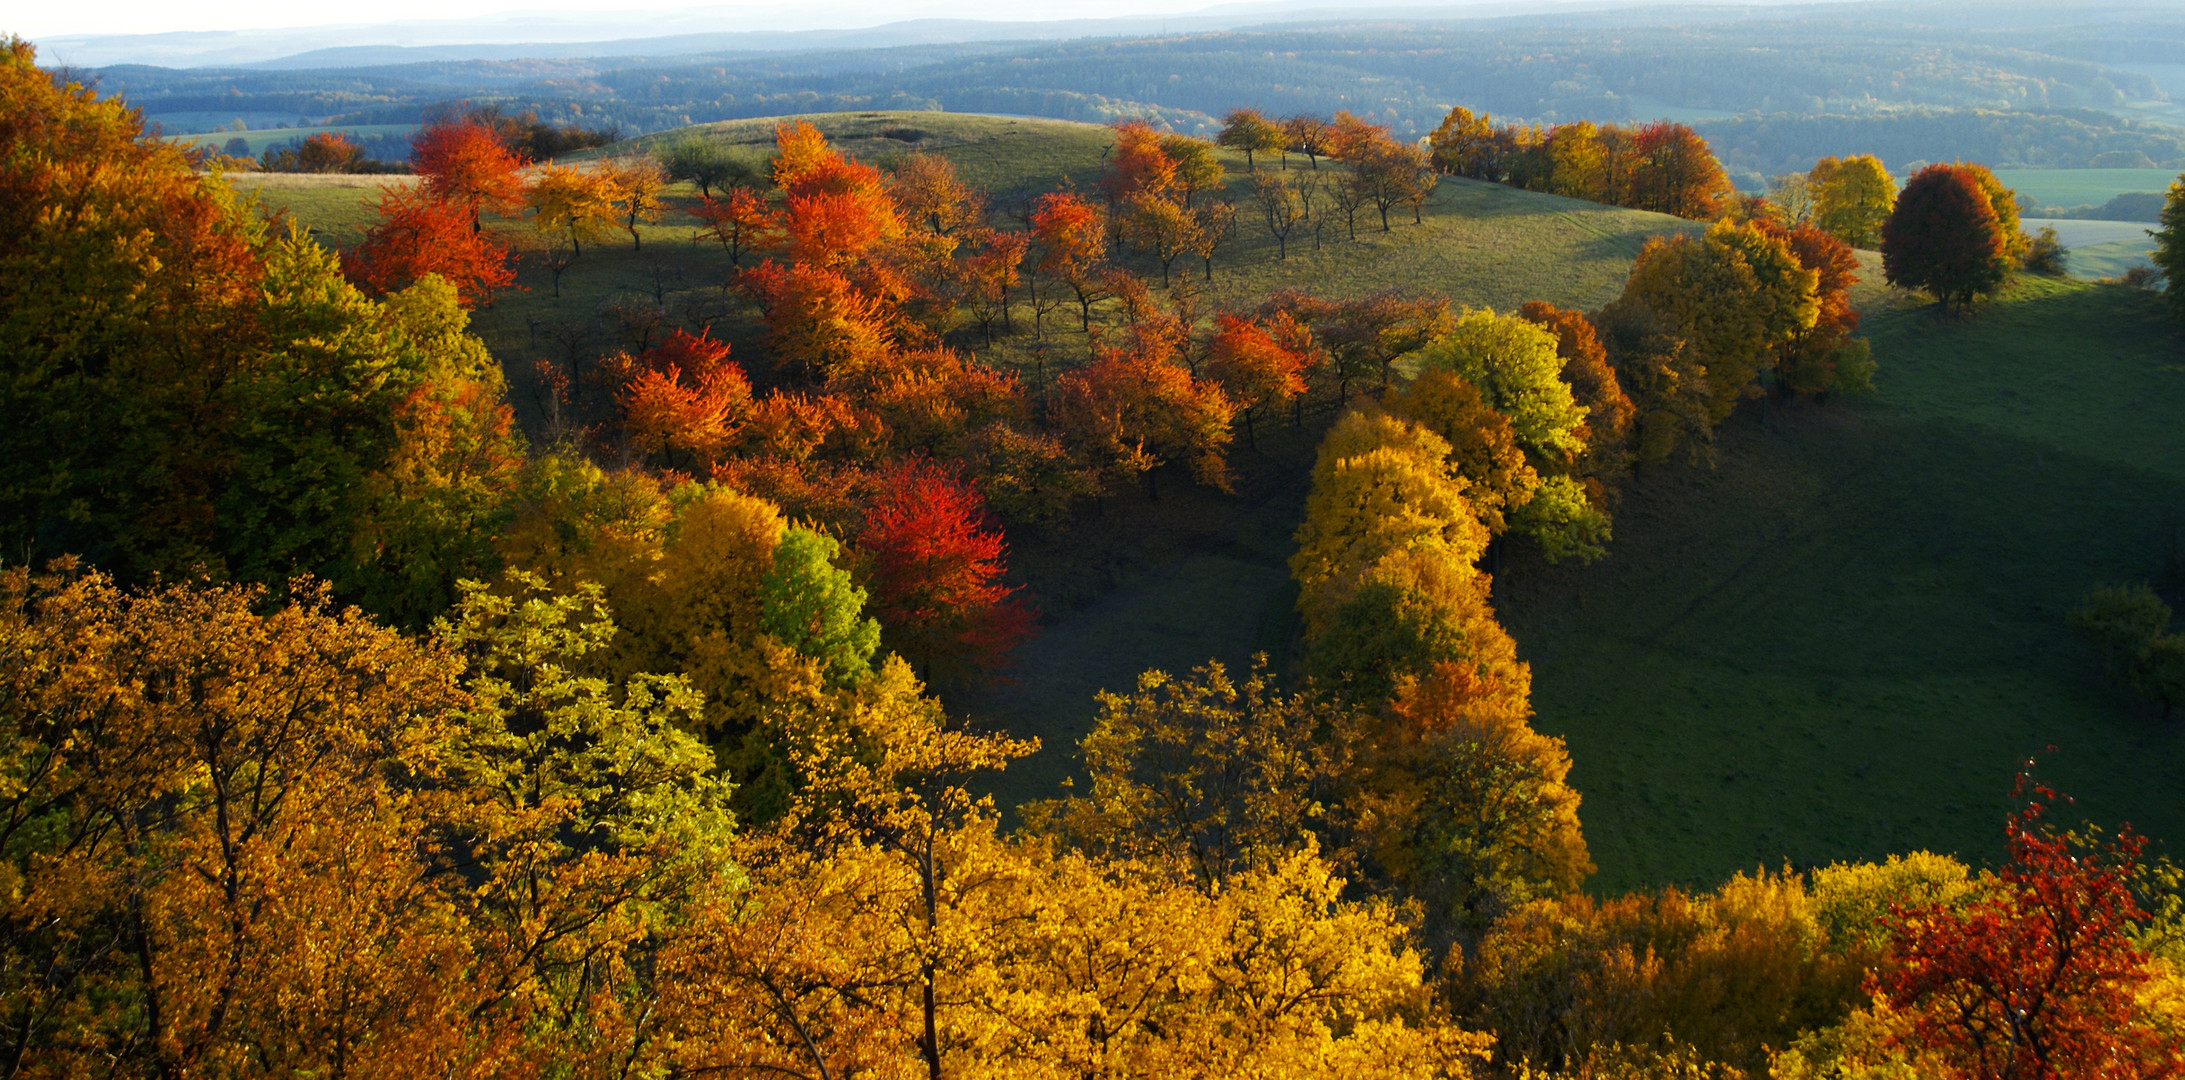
x=1380 y=485
x=572 y=203
x=1731 y=297
x=1851 y=198
x=636 y=185
x=1483 y=447
x=1515 y=366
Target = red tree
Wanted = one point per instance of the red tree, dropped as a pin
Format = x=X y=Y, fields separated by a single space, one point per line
x=936 y=573
x=2035 y=979
x=464 y=162
x=417 y=235
x=1943 y=236
x=1138 y=166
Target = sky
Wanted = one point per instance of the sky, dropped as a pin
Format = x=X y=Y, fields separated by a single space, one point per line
x=37 y=20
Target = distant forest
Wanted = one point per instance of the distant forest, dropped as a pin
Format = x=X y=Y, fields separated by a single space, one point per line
x=1773 y=90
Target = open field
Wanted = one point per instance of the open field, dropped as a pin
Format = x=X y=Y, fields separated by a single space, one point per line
x=2099 y=249
x=337 y=208
x=2083 y=187
x=1835 y=644
x=260 y=139
x=1840 y=642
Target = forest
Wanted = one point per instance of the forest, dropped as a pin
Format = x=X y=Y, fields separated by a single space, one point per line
x=529 y=615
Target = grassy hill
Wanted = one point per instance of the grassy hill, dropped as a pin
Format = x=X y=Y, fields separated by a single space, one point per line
x=1841 y=641
x=1834 y=644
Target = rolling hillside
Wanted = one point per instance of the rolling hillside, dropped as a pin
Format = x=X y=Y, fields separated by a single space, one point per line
x=1835 y=643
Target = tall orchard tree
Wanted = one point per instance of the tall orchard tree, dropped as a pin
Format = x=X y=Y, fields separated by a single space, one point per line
x=1944 y=237
x=1254 y=367
x=573 y=204
x=465 y=162
x=418 y=234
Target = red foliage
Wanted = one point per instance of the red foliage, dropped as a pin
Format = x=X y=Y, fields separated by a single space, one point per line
x=418 y=234
x=1254 y=367
x=836 y=209
x=740 y=222
x=2035 y=979
x=1072 y=234
x=684 y=397
x=464 y=162
x=1943 y=236
x=936 y=573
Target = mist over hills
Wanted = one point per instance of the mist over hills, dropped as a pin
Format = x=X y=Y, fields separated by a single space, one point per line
x=1772 y=86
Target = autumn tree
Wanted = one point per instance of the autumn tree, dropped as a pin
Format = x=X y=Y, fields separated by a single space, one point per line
x=1254 y=367
x=636 y=185
x=418 y=234
x=1465 y=145
x=1073 y=247
x=1159 y=226
x=1732 y=297
x=1943 y=236
x=1852 y=198
x=1305 y=134
x=1677 y=173
x=1136 y=408
x=817 y=321
x=1250 y=131
x=1516 y=366
x=740 y=222
x=572 y=203
x=1825 y=358
x=1469 y=807
x=1196 y=168
x=320 y=152
x=465 y=162
x=1593 y=382
x=933 y=198
x=683 y=400
x=2169 y=249
x=936 y=569
x=2040 y=976
x=1483 y=447
x=1381 y=485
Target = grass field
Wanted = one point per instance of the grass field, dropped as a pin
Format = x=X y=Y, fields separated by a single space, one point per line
x=336 y=207
x=2099 y=249
x=2082 y=187
x=1840 y=642
x=262 y=138
x=1835 y=644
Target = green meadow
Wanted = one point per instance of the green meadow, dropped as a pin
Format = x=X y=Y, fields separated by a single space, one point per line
x=1835 y=641
x=2083 y=187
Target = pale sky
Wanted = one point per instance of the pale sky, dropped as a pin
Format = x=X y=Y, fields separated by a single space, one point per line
x=37 y=20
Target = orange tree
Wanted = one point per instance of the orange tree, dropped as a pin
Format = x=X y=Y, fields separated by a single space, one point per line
x=465 y=162
x=418 y=234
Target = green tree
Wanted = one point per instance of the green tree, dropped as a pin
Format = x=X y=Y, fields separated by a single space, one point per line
x=1516 y=367
x=708 y=164
x=812 y=606
x=2169 y=253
